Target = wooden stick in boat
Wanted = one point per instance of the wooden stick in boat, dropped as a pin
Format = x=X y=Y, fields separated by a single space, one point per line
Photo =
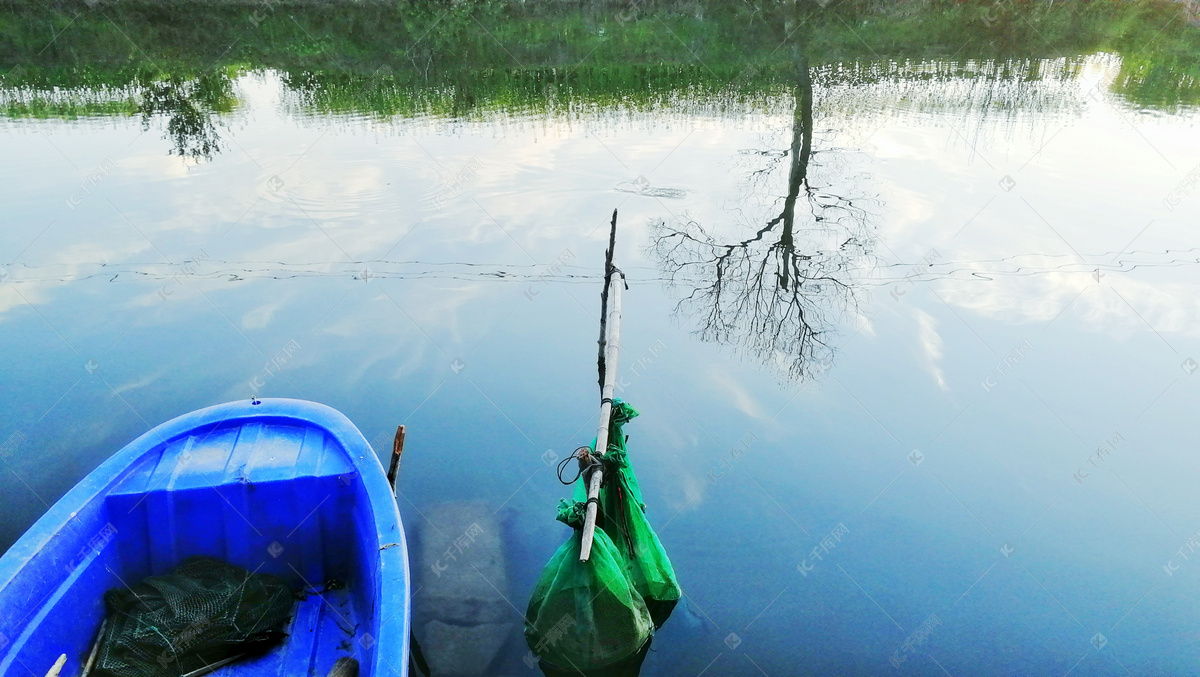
x=213 y=667
x=397 y=450
x=91 y=661
x=57 y=667
x=612 y=346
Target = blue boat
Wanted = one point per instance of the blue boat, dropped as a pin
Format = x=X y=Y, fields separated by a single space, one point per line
x=277 y=486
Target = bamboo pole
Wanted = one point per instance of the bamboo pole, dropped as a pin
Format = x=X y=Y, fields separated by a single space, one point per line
x=611 y=346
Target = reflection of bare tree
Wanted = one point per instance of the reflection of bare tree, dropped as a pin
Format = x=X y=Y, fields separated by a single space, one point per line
x=774 y=293
x=190 y=107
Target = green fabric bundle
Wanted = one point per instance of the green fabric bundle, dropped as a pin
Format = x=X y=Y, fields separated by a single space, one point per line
x=622 y=515
x=597 y=617
x=585 y=615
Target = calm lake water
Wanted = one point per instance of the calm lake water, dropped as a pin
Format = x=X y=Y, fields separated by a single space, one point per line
x=986 y=466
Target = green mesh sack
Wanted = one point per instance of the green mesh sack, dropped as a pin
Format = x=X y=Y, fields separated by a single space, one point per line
x=586 y=617
x=622 y=515
x=202 y=612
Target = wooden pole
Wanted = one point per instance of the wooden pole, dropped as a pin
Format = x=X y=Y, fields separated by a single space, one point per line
x=397 y=450
x=91 y=661
x=614 y=283
x=349 y=667
x=213 y=667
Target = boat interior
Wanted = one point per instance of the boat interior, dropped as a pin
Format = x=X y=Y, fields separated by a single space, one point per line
x=271 y=496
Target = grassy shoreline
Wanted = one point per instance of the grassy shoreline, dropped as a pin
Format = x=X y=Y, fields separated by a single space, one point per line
x=487 y=50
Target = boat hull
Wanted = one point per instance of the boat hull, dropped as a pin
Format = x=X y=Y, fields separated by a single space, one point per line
x=285 y=487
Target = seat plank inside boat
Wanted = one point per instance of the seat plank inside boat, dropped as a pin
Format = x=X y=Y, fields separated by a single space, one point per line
x=258 y=495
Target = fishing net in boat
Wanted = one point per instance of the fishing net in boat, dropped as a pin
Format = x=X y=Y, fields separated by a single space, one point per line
x=587 y=617
x=622 y=515
x=203 y=612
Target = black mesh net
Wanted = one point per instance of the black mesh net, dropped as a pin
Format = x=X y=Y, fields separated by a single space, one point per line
x=203 y=612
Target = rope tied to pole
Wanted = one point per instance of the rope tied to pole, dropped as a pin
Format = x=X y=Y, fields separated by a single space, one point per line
x=587 y=463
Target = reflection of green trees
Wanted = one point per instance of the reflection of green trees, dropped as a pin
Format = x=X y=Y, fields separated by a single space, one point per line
x=457 y=58
x=1160 y=79
x=528 y=90
x=190 y=107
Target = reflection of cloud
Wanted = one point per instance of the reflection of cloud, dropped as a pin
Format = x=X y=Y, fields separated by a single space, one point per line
x=149 y=379
x=163 y=167
x=9 y=298
x=931 y=345
x=742 y=400
x=70 y=261
x=259 y=317
x=1170 y=308
x=693 y=487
